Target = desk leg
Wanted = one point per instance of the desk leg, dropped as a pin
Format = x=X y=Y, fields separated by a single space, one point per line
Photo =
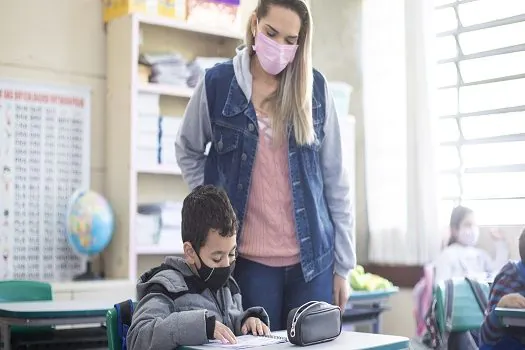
x=5 y=333
x=376 y=326
x=379 y=324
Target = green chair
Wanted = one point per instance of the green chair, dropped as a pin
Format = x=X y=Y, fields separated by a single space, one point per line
x=13 y=291
x=17 y=291
x=114 y=341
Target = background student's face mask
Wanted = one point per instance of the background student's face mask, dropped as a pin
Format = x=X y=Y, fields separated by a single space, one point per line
x=273 y=57
x=469 y=236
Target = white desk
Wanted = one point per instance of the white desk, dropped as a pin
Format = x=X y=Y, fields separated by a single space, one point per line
x=511 y=317
x=346 y=341
x=49 y=313
x=370 y=301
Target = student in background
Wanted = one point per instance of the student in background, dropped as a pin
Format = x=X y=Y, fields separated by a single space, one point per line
x=190 y=300
x=276 y=150
x=508 y=291
x=461 y=257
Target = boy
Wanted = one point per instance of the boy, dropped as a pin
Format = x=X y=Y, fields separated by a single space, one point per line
x=507 y=291
x=191 y=300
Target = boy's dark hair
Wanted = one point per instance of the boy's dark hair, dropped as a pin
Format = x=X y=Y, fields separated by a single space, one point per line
x=458 y=215
x=207 y=207
x=521 y=245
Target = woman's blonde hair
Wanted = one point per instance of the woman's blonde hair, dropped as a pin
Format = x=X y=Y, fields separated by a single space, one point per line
x=291 y=104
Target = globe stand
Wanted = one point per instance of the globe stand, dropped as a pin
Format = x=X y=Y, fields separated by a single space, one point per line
x=89 y=275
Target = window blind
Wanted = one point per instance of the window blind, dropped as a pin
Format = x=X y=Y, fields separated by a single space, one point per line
x=480 y=102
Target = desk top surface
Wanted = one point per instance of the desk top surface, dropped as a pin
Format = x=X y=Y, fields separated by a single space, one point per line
x=346 y=341
x=55 y=309
x=504 y=312
x=378 y=294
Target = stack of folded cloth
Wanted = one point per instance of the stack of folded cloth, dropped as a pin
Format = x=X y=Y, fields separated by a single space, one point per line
x=166 y=68
x=198 y=66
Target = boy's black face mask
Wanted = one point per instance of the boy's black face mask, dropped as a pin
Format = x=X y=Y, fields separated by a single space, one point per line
x=216 y=277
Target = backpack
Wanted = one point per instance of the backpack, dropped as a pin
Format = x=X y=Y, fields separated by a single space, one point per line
x=455 y=295
x=422 y=296
x=124 y=316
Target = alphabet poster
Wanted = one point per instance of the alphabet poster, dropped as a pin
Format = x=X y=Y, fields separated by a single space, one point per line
x=44 y=158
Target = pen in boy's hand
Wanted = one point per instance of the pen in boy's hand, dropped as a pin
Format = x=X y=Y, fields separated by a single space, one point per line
x=224 y=334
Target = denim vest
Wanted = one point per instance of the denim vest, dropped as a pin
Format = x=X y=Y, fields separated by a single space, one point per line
x=230 y=162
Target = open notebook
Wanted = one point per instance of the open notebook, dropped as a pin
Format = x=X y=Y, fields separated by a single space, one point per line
x=249 y=341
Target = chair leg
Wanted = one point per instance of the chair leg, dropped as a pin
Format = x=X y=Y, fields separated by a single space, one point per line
x=5 y=333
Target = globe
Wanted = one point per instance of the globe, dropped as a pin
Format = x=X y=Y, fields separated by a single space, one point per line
x=90 y=222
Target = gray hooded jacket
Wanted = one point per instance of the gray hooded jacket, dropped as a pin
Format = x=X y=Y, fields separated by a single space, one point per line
x=174 y=305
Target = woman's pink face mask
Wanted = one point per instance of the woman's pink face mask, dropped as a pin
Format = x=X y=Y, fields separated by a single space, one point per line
x=273 y=57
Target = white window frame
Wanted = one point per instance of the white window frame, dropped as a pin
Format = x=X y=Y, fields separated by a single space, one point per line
x=462 y=170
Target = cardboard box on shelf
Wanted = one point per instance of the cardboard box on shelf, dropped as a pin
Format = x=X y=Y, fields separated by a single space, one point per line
x=175 y=9
x=215 y=13
x=144 y=73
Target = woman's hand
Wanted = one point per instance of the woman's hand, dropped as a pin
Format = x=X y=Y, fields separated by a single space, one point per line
x=255 y=326
x=341 y=292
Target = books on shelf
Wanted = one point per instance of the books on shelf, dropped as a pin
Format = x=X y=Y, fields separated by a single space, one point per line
x=148 y=104
x=171 y=75
x=169 y=127
x=155 y=144
x=158 y=228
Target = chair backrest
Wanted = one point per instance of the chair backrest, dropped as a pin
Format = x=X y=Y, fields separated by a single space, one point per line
x=13 y=291
x=118 y=321
x=19 y=290
x=114 y=340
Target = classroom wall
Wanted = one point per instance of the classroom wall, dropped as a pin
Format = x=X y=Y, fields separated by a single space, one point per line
x=337 y=54
x=59 y=42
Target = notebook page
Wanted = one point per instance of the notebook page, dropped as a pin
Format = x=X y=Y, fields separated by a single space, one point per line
x=244 y=342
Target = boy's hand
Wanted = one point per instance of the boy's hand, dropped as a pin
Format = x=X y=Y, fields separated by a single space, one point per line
x=223 y=333
x=255 y=326
x=512 y=301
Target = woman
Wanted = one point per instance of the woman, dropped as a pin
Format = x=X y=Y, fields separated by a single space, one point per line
x=461 y=257
x=276 y=150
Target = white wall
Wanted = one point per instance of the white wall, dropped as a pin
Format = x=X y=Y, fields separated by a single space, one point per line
x=59 y=42
x=337 y=54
